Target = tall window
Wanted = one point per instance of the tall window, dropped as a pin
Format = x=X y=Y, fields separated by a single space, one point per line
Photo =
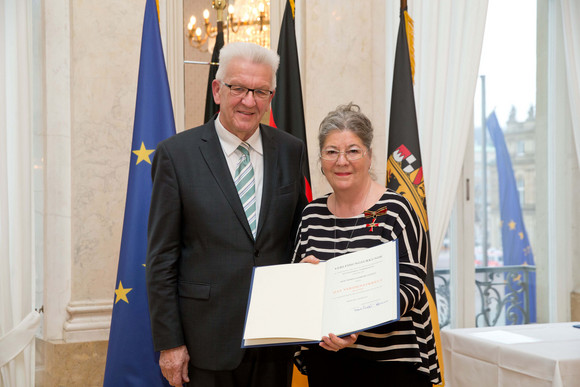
x=521 y=148
x=504 y=288
x=521 y=189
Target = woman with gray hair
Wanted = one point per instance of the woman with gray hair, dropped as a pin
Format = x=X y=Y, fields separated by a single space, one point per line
x=358 y=214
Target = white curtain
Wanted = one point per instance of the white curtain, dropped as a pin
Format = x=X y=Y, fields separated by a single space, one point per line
x=18 y=320
x=448 y=42
x=571 y=30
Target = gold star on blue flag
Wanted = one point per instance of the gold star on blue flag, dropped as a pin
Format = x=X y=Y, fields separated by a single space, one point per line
x=121 y=293
x=143 y=154
x=130 y=324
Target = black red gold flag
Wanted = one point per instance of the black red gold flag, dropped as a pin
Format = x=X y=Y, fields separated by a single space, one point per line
x=404 y=165
x=211 y=107
x=287 y=111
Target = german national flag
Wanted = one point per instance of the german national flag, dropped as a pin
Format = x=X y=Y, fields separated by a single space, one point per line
x=404 y=165
x=287 y=111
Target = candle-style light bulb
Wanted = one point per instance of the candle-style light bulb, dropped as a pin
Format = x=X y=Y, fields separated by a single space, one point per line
x=191 y=24
x=206 y=15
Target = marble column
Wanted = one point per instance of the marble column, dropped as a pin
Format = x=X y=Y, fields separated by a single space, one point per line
x=343 y=60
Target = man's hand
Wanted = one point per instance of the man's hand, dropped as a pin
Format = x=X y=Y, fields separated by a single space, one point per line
x=173 y=363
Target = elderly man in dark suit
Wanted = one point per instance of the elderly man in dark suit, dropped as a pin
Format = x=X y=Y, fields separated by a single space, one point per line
x=227 y=196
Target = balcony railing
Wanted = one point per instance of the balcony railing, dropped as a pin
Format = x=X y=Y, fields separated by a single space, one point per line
x=502 y=297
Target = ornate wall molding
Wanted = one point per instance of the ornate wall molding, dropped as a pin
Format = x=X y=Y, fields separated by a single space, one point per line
x=89 y=320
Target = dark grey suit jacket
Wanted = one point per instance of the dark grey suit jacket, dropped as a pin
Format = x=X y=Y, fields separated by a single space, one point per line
x=200 y=248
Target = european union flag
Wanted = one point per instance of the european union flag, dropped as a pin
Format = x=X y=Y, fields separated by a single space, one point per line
x=516 y=246
x=131 y=360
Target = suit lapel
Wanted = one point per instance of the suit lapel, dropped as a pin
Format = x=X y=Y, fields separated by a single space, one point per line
x=270 y=168
x=215 y=160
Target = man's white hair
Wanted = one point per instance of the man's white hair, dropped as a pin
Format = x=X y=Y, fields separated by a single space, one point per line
x=250 y=52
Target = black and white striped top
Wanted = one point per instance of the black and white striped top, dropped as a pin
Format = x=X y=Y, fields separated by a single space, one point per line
x=326 y=236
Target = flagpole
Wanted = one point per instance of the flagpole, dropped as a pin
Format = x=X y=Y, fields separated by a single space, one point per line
x=484 y=172
x=403 y=4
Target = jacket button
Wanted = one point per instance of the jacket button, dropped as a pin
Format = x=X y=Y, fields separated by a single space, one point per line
x=257 y=253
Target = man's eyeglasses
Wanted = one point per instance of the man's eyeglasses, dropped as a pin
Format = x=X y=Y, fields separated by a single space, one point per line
x=351 y=154
x=241 y=91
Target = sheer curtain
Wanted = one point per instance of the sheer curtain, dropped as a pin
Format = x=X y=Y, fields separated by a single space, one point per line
x=571 y=31
x=18 y=320
x=448 y=42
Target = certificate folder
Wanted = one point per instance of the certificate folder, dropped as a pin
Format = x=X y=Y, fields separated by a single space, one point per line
x=300 y=303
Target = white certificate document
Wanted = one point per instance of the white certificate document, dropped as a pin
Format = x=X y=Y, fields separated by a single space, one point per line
x=300 y=303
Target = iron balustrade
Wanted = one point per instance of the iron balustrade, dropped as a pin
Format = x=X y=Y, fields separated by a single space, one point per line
x=503 y=295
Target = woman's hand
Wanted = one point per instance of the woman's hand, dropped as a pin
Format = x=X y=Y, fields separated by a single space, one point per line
x=334 y=343
x=310 y=259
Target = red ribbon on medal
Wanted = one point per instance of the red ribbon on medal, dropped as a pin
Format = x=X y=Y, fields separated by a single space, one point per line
x=375 y=215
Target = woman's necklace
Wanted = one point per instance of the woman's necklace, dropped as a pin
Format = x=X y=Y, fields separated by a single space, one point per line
x=355 y=224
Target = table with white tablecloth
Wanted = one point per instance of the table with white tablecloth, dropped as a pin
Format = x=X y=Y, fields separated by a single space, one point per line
x=518 y=355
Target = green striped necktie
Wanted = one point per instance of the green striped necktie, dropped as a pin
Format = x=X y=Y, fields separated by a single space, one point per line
x=246 y=186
